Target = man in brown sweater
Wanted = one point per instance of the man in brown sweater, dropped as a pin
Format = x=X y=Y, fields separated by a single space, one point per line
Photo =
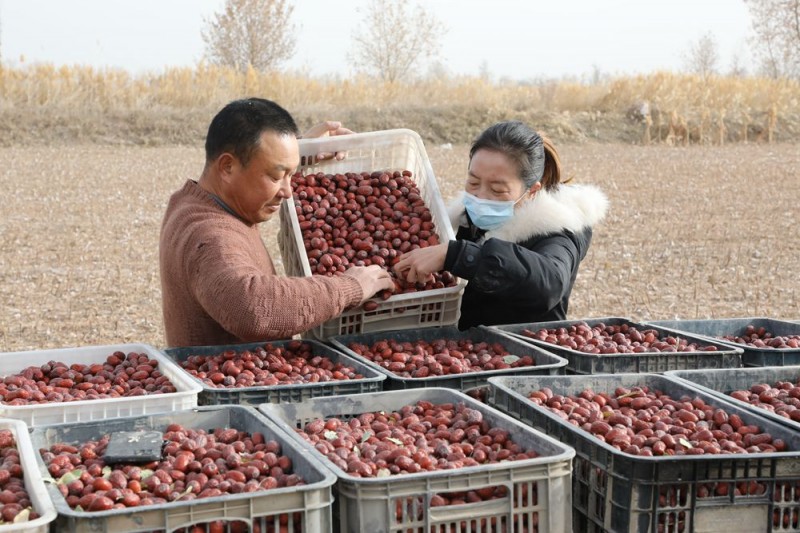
x=218 y=282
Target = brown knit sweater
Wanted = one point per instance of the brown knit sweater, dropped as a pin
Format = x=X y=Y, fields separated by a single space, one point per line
x=218 y=282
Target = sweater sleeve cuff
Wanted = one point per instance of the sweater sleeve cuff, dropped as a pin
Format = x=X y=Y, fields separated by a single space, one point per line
x=462 y=258
x=351 y=290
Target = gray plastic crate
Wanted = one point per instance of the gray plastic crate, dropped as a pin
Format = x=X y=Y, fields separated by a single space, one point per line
x=751 y=356
x=313 y=500
x=546 y=363
x=722 y=382
x=297 y=392
x=617 y=492
x=370 y=504
x=653 y=362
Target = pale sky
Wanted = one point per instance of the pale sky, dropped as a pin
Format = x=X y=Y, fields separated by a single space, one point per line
x=518 y=39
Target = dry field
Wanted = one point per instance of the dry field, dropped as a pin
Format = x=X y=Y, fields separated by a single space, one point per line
x=693 y=232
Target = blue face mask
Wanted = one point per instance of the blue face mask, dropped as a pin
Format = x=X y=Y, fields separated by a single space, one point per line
x=489 y=214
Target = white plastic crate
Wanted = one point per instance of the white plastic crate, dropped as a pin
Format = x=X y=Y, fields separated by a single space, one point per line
x=399 y=149
x=185 y=396
x=37 y=492
x=539 y=494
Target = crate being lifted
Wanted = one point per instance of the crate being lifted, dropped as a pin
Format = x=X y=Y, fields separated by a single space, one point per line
x=390 y=150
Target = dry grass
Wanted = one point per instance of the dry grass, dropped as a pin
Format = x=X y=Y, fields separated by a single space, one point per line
x=45 y=104
x=693 y=232
x=208 y=87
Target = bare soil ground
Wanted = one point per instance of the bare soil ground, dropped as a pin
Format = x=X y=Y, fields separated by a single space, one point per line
x=693 y=232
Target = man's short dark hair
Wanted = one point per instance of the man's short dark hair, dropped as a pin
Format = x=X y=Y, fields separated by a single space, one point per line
x=237 y=128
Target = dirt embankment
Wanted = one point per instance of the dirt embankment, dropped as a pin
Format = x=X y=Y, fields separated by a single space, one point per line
x=437 y=125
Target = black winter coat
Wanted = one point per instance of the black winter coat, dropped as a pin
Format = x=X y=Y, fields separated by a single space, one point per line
x=524 y=271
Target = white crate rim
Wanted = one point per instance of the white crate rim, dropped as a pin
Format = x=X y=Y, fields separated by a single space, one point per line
x=37 y=491
x=180 y=379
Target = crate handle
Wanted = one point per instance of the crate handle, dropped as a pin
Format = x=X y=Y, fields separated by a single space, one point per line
x=226 y=521
x=468 y=511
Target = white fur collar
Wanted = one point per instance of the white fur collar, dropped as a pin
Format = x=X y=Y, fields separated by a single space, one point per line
x=571 y=208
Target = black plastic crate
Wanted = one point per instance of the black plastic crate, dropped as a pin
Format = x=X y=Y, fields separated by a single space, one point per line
x=296 y=392
x=645 y=362
x=715 y=328
x=313 y=500
x=546 y=363
x=618 y=492
x=722 y=382
x=539 y=491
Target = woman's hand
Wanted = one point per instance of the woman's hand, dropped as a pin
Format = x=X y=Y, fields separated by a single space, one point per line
x=329 y=128
x=417 y=266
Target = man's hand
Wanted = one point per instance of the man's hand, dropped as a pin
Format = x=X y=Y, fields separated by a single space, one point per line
x=418 y=266
x=328 y=128
x=372 y=279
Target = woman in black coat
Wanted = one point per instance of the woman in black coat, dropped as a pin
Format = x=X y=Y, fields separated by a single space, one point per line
x=520 y=233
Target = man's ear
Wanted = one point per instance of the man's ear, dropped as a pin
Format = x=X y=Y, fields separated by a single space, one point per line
x=226 y=164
